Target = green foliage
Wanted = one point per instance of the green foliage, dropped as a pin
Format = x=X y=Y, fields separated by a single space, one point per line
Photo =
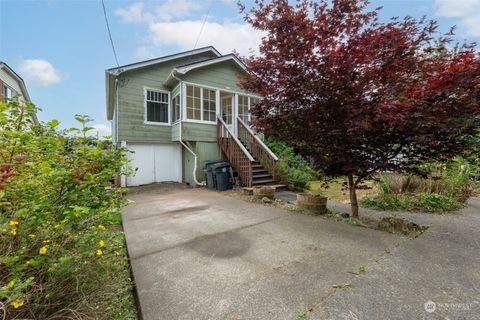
x=291 y=167
x=449 y=186
x=62 y=252
x=428 y=202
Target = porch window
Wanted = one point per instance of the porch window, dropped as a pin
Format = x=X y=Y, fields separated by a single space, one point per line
x=209 y=105
x=194 y=103
x=176 y=108
x=156 y=104
x=226 y=106
x=243 y=108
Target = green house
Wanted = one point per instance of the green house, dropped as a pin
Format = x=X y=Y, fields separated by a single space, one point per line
x=176 y=111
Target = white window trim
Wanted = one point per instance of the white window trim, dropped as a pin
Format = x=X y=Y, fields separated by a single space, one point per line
x=179 y=109
x=217 y=102
x=169 y=123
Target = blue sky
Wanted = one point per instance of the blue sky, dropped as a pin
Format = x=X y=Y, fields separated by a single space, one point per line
x=61 y=48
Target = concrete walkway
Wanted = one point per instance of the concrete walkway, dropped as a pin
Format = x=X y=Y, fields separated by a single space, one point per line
x=197 y=254
x=438 y=271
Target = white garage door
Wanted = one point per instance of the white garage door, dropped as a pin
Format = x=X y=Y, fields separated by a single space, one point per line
x=155 y=163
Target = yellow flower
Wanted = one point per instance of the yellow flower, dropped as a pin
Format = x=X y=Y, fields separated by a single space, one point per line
x=43 y=250
x=11 y=284
x=13 y=222
x=101 y=243
x=101 y=227
x=13 y=231
x=99 y=252
x=17 y=303
x=47 y=241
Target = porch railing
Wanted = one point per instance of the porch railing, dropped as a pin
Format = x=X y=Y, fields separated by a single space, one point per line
x=257 y=148
x=236 y=153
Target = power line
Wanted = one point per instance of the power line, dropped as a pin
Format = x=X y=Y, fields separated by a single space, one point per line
x=203 y=25
x=109 y=33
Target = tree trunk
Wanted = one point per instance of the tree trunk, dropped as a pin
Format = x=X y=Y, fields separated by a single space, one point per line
x=353 y=196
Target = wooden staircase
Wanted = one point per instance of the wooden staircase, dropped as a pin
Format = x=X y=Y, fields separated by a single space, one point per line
x=254 y=162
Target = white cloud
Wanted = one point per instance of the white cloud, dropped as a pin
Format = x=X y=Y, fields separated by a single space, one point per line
x=144 y=52
x=39 y=72
x=165 y=12
x=167 y=26
x=100 y=130
x=225 y=36
x=176 y=9
x=468 y=11
x=134 y=13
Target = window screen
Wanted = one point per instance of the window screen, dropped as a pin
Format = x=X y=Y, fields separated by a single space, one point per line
x=157 y=106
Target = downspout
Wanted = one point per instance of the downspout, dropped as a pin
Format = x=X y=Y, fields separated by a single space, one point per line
x=116 y=110
x=180 y=138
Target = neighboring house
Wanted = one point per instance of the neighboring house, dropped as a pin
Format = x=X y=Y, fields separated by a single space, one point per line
x=167 y=111
x=12 y=85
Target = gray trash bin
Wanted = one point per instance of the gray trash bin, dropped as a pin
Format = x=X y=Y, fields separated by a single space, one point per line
x=222 y=173
x=209 y=176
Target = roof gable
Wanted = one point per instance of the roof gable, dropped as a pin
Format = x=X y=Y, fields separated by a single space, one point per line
x=146 y=63
x=195 y=65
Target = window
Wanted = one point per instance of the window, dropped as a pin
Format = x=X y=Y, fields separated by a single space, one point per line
x=157 y=106
x=8 y=92
x=243 y=108
x=176 y=108
x=194 y=103
x=209 y=105
x=226 y=106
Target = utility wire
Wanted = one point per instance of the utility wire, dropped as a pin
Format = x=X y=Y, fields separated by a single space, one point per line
x=203 y=25
x=109 y=33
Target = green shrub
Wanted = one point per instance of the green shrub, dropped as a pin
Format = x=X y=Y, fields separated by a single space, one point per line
x=291 y=167
x=428 y=202
x=62 y=252
x=449 y=186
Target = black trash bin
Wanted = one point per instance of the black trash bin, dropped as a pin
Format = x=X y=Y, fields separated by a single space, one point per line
x=209 y=176
x=222 y=173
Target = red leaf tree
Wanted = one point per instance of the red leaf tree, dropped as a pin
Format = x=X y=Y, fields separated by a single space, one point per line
x=358 y=96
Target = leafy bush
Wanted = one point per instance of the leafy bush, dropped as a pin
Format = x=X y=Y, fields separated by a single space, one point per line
x=62 y=252
x=450 y=185
x=428 y=202
x=291 y=167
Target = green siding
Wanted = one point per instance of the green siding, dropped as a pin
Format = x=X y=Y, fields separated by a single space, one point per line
x=176 y=132
x=131 y=126
x=199 y=132
x=204 y=151
x=225 y=75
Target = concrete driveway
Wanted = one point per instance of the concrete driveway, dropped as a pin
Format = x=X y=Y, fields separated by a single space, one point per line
x=197 y=254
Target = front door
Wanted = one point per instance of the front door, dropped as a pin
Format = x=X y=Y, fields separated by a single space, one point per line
x=227 y=102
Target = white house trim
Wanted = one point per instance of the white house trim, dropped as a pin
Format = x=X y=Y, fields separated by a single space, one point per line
x=147 y=63
x=145 y=121
x=187 y=68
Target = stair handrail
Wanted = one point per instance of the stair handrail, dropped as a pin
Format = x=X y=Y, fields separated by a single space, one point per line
x=260 y=142
x=245 y=151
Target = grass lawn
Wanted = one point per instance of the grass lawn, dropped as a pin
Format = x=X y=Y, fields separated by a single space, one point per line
x=335 y=192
